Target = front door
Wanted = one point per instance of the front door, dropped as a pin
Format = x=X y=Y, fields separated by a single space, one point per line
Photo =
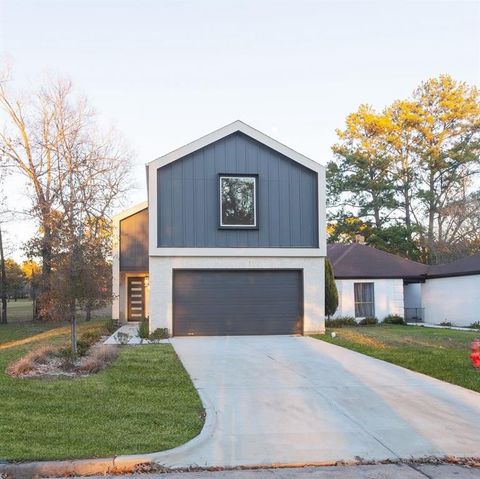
x=136 y=298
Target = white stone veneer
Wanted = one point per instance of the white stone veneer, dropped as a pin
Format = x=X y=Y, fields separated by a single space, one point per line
x=161 y=283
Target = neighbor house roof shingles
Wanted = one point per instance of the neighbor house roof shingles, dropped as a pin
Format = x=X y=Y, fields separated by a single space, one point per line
x=362 y=261
x=460 y=267
x=359 y=261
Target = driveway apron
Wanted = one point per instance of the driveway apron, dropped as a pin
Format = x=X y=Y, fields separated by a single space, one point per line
x=298 y=400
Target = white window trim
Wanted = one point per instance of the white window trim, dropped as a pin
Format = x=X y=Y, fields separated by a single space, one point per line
x=254 y=178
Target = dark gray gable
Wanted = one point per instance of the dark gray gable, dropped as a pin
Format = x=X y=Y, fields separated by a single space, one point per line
x=188 y=203
x=134 y=242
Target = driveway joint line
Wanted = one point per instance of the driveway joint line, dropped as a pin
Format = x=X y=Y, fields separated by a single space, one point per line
x=412 y=466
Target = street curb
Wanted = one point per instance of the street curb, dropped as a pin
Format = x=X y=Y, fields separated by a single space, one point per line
x=116 y=464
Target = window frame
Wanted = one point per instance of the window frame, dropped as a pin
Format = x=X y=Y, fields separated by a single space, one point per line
x=372 y=302
x=255 y=201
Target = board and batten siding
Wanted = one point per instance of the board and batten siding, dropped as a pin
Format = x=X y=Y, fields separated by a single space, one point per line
x=188 y=198
x=134 y=242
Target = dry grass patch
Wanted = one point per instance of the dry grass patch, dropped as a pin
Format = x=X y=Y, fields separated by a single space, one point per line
x=98 y=358
x=358 y=337
x=50 y=362
x=32 y=360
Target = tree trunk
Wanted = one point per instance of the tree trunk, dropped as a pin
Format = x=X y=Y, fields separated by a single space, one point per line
x=42 y=305
x=408 y=218
x=3 y=283
x=88 y=311
x=376 y=214
x=74 y=334
x=431 y=219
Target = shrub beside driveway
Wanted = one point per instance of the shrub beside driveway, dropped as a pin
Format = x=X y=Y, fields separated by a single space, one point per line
x=440 y=353
x=143 y=402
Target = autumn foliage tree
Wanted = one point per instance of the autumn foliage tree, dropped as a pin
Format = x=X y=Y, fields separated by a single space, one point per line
x=32 y=273
x=16 y=281
x=410 y=173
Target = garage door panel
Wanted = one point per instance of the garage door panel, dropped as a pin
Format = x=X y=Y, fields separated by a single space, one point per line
x=206 y=328
x=236 y=302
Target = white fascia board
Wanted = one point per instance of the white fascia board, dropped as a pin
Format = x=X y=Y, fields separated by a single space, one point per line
x=243 y=252
x=228 y=130
x=130 y=211
x=322 y=211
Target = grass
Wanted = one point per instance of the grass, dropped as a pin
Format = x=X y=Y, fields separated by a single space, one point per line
x=20 y=310
x=142 y=402
x=440 y=353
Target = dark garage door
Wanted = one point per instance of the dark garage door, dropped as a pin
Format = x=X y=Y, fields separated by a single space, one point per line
x=235 y=302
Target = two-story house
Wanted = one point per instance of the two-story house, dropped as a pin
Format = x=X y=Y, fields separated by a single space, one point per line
x=231 y=241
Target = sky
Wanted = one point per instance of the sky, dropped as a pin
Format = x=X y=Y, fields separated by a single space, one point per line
x=167 y=72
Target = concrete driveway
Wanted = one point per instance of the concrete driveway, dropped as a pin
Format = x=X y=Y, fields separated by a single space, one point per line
x=298 y=400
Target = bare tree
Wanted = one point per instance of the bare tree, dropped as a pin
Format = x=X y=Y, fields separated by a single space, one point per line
x=3 y=276
x=77 y=174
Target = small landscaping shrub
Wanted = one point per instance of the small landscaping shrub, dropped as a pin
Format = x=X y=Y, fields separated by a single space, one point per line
x=393 y=319
x=66 y=353
x=123 y=338
x=82 y=347
x=111 y=326
x=475 y=325
x=160 y=333
x=445 y=323
x=91 y=336
x=369 y=320
x=340 y=322
x=84 y=342
x=31 y=360
x=143 y=329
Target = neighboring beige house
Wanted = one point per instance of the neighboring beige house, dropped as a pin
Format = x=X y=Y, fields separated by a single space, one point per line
x=372 y=282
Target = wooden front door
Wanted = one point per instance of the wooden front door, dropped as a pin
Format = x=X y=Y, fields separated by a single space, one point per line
x=136 y=298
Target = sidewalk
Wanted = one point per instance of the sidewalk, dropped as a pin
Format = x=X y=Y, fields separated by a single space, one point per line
x=130 y=336
x=381 y=471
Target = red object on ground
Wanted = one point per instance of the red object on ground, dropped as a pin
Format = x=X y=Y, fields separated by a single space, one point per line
x=475 y=356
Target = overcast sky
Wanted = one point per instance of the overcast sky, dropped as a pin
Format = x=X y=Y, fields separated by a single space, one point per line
x=167 y=72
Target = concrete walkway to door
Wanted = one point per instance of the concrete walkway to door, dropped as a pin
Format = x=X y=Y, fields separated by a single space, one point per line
x=298 y=400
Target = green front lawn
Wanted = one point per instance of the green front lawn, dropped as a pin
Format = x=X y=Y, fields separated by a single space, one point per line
x=20 y=310
x=440 y=353
x=143 y=402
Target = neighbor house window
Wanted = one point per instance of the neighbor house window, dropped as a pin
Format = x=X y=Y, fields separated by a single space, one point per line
x=364 y=300
x=238 y=201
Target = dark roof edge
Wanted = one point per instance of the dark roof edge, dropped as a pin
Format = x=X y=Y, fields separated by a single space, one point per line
x=405 y=277
x=420 y=278
x=450 y=275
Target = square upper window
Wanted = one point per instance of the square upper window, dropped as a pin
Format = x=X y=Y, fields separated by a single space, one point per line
x=238 y=201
